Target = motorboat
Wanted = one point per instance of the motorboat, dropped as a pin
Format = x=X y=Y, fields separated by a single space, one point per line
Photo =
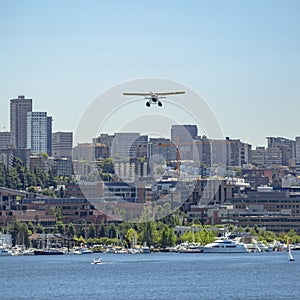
x=82 y=250
x=190 y=248
x=134 y=250
x=5 y=252
x=28 y=252
x=97 y=261
x=225 y=245
x=262 y=247
x=256 y=246
x=145 y=249
x=120 y=250
x=48 y=252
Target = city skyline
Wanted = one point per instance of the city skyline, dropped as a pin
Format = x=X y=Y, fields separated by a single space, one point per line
x=153 y=135
x=242 y=57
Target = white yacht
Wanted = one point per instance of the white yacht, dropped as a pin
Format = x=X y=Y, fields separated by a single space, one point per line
x=224 y=245
x=5 y=252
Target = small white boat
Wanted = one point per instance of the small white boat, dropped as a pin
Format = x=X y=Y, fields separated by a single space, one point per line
x=145 y=249
x=133 y=251
x=120 y=250
x=97 y=261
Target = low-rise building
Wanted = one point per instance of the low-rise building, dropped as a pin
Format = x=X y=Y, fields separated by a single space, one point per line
x=41 y=211
x=275 y=210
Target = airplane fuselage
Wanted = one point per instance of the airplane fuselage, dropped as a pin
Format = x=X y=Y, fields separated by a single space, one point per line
x=153 y=98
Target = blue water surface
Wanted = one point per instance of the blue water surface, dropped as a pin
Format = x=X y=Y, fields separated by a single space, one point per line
x=151 y=276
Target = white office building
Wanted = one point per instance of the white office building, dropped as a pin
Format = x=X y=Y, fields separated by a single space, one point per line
x=38 y=132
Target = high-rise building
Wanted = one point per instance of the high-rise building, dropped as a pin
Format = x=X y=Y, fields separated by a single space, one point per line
x=237 y=152
x=298 y=155
x=258 y=156
x=90 y=152
x=83 y=151
x=286 y=146
x=38 y=132
x=245 y=153
x=139 y=147
x=18 y=117
x=184 y=136
x=279 y=141
x=183 y=133
x=62 y=166
x=162 y=147
x=233 y=148
x=5 y=139
x=49 y=135
x=124 y=145
x=106 y=140
x=262 y=157
x=62 y=143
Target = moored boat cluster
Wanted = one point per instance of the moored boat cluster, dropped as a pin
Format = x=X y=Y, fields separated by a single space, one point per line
x=220 y=245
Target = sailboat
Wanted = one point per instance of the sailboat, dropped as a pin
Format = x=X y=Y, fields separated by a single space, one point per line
x=291 y=258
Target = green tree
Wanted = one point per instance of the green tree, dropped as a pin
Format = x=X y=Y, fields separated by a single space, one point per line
x=57 y=213
x=30 y=178
x=39 y=228
x=31 y=189
x=48 y=192
x=19 y=232
x=132 y=236
x=14 y=230
x=14 y=178
x=102 y=231
x=148 y=233
x=81 y=231
x=30 y=226
x=71 y=231
x=59 y=227
x=112 y=231
x=108 y=166
x=187 y=237
x=168 y=237
x=171 y=237
x=92 y=231
x=206 y=236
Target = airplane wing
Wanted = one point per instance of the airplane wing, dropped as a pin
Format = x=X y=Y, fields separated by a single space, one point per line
x=151 y=94
x=137 y=94
x=169 y=93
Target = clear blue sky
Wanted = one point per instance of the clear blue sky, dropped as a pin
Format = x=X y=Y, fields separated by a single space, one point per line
x=242 y=56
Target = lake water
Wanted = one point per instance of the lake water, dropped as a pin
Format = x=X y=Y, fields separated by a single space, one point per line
x=151 y=276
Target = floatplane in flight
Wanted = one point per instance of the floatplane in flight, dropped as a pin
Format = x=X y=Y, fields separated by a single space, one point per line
x=154 y=98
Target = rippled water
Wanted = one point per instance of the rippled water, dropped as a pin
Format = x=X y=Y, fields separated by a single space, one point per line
x=151 y=276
